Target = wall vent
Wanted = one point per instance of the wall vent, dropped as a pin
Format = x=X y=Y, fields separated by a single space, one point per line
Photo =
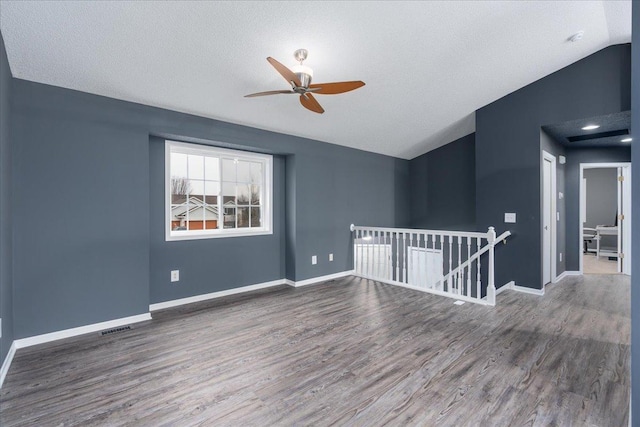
x=115 y=330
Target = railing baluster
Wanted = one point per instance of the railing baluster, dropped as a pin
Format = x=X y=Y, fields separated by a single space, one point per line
x=459 y=284
x=369 y=253
x=424 y=259
x=450 y=264
x=375 y=253
x=469 y=267
x=397 y=239
x=404 y=257
x=479 y=278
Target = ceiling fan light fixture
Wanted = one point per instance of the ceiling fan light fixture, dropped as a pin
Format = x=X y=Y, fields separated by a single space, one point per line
x=302 y=69
x=304 y=73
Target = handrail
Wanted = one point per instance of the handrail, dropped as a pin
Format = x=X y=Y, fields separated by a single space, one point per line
x=474 y=234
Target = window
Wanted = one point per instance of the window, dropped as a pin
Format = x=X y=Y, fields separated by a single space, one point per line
x=214 y=192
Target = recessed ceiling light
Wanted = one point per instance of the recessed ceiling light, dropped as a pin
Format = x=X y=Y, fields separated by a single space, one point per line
x=626 y=140
x=590 y=127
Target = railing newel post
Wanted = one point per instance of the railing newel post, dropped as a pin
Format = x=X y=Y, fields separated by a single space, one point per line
x=491 y=286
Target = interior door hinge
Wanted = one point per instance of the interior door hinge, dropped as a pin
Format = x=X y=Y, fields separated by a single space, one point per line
x=620 y=178
x=621 y=255
x=621 y=217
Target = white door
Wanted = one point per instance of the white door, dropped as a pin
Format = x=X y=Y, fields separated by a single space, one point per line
x=546 y=221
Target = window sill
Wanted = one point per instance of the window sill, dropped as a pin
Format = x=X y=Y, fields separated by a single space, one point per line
x=215 y=235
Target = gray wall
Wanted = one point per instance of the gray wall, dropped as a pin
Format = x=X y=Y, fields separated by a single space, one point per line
x=508 y=150
x=548 y=144
x=88 y=235
x=442 y=187
x=602 y=201
x=635 y=227
x=575 y=156
x=6 y=251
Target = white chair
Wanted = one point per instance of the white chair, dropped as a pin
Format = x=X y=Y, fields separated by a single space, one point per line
x=588 y=235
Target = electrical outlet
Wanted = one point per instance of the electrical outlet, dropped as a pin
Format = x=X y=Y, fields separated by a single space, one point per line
x=314 y=260
x=175 y=275
x=330 y=257
x=510 y=217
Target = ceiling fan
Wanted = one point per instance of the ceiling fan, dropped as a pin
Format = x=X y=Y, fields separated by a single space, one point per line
x=300 y=80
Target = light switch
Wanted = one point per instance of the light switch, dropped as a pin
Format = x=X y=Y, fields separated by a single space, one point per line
x=510 y=218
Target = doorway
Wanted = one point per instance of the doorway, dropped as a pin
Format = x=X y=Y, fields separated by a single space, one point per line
x=605 y=218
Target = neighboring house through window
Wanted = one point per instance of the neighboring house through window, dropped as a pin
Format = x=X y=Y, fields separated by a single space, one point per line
x=214 y=192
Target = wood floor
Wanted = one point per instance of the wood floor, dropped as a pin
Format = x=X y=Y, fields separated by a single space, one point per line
x=348 y=352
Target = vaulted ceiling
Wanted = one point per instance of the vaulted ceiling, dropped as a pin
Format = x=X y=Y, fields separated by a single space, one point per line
x=427 y=65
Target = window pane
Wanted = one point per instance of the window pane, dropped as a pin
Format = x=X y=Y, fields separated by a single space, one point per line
x=228 y=170
x=196 y=167
x=244 y=171
x=243 y=217
x=229 y=217
x=244 y=194
x=256 y=220
x=256 y=196
x=256 y=173
x=197 y=190
x=178 y=165
x=211 y=192
x=212 y=168
x=196 y=225
x=178 y=217
x=228 y=194
x=211 y=216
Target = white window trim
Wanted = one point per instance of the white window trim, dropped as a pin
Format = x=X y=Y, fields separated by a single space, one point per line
x=267 y=204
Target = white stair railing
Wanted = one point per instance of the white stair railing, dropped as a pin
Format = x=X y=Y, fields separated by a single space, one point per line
x=441 y=262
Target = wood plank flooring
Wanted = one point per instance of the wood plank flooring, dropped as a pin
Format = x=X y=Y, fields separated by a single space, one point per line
x=347 y=352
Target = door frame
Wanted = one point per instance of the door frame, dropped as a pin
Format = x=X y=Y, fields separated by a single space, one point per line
x=626 y=211
x=548 y=157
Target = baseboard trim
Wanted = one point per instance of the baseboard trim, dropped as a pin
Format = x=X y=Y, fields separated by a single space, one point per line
x=525 y=290
x=213 y=295
x=249 y=288
x=506 y=286
x=566 y=274
x=513 y=287
x=81 y=330
x=7 y=363
x=319 y=279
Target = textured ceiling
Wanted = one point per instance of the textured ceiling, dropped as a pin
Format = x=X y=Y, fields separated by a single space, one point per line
x=619 y=122
x=427 y=65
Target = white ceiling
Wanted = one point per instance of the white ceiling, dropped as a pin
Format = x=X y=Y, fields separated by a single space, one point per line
x=427 y=65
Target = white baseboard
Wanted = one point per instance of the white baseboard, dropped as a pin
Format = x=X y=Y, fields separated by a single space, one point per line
x=319 y=279
x=525 y=290
x=212 y=295
x=81 y=330
x=508 y=285
x=7 y=362
x=566 y=274
x=219 y=294
x=513 y=287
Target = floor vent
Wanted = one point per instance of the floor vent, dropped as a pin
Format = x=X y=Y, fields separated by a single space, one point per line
x=115 y=330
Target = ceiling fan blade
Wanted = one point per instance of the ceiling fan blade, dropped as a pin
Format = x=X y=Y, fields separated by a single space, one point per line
x=271 y=92
x=309 y=102
x=335 y=88
x=288 y=75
